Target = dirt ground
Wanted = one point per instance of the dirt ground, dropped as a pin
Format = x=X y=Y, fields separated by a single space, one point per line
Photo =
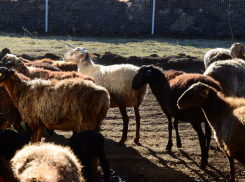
x=149 y=161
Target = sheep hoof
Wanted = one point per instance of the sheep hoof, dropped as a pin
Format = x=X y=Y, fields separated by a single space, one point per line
x=179 y=146
x=169 y=147
x=122 y=141
x=203 y=165
x=136 y=140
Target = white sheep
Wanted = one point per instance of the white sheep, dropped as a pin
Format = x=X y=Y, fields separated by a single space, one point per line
x=46 y=162
x=231 y=76
x=117 y=79
x=212 y=53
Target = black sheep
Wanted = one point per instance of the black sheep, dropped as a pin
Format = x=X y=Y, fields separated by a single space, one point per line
x=87 y=146
x=167 y=89
x=10 y=142
x=6 y=172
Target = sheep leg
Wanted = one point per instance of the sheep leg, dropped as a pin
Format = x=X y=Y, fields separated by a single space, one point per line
x=105 y=165
x=95 y=166
x=40 y=132
x=202 y=141
x=232 y=168
x=176 y=127
x=170 y=127
x=208 y=136
x=137 y=118
x=125 y=124
x=35 y=130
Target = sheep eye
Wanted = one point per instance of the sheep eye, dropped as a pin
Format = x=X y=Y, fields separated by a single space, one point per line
x=1 y=74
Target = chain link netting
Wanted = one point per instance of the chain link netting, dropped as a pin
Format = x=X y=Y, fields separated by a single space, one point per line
x=216 y=18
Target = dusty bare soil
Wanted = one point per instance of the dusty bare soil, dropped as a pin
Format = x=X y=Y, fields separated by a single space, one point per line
x=149 y=161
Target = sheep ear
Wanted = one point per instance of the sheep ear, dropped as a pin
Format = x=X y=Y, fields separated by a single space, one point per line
x=204 y=93
x=92 y=55
x=148 y=73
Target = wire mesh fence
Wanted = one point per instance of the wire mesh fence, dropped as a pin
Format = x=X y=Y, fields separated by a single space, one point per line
x=216 y=18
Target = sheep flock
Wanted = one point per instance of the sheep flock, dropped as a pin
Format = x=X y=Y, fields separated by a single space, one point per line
x=76 y=94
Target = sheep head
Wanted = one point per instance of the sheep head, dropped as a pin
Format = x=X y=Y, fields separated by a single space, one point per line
x=237 y=50
x=194 y=96
x=10 y=61
x=142 y=77
x=77 y=55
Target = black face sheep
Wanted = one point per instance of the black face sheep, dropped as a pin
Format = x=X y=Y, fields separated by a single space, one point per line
x=117 y=80
x=70 y=104
x=225 y=115
x=231 y=76
x=46 y=162
x=10 y=142
x=212 y=53
x=167 y=91
x=6 y=172
x=88 y=146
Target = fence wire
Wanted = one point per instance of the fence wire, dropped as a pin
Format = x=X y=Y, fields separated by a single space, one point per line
x=215 y=18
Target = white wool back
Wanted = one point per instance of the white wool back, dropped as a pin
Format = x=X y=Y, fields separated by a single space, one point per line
x=117 y=79
x=230 y=74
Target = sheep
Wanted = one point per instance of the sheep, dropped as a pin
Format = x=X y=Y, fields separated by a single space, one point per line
x=6 y=172
x=237 y=51
x=167 y=90
x=117 y=80
x=64 y=66
x=219 y=57
x=12 y=61
x=10 y=142
x=46 y=162
x=69 y=104
x=11 y=114
x=88 y=146
x=3 y=122
x=225 y=116
x=230 y=74
x=210 y=54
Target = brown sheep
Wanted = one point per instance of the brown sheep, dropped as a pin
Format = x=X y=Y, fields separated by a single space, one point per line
x=225 y=116
x=9 y=111
x=12 y=61
x=46 y=162
x=70 y=104
x=62 y=65
x=167 y=91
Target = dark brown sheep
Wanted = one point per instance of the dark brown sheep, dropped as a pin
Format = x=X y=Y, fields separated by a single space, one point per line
x=225 y=116
x=167 y=92
x=70 y=104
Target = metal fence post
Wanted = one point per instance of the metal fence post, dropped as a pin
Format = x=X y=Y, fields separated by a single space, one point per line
x=153 y=16
x=46 y=17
